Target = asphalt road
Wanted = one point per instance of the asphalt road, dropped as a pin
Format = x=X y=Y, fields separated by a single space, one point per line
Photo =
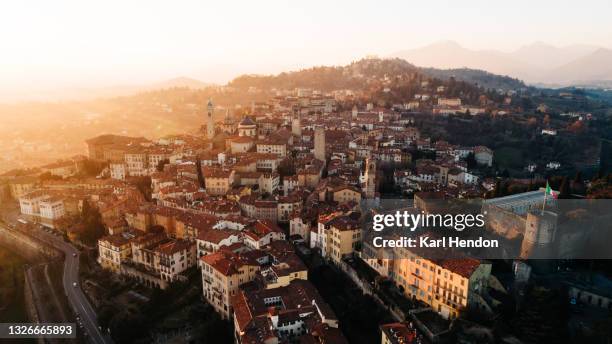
x=76 y=297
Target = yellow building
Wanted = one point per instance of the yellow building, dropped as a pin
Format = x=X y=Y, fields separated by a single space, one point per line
x=344 y=237
x=222 y=274
x=448 y=286
x=337 y=235
x=113 y=250
x=346 y=194
x=218 y=181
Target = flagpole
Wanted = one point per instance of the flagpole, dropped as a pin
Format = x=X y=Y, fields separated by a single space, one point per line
x=546 y=191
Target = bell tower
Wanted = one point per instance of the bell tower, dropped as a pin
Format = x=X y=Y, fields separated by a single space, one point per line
x=370 y=178
x=210 y=126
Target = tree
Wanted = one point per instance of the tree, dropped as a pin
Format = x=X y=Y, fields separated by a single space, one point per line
x=471 y=161
x=92 y=168
x=161 y=164
x=286 y=167
x=199 y=173
x=578 y=177
x=578 y=184
x=498 y=189
x=143 y=184
x=127 y=327
x=577 y=127
x=93 y=227
x=564 y=190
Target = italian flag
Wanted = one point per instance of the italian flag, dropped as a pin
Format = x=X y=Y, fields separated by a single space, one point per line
x=550 y=192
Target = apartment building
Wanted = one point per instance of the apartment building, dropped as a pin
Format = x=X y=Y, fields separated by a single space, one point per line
x=52 y=208
x=42 y=207
x=284 y=266
x=151 y=258
x=346 y=194
x=294 y=313
x=287 y=205
x=262 y=233
x=268 y=182
x=174 y=257
x=448 y=286
x=113 y=250
x=29 y=203
x=218 y=181
x=337 y=235
x=273 y=146
x=223 y=272
x=136 y=162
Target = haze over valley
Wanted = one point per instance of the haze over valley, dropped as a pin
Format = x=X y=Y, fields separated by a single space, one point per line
x=537 y=63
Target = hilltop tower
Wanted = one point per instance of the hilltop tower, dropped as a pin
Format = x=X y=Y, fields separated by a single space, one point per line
x=210 y=125
x=370 y=178
x=296 y=123
x=319 y=143
x=354 y=112
x=539 y=235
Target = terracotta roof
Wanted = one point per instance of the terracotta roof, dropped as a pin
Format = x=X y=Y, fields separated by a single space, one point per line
x=173 y=246
x=216 y=235
x=463 y=267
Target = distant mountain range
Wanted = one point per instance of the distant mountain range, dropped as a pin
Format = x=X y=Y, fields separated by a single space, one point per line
x=538 y=63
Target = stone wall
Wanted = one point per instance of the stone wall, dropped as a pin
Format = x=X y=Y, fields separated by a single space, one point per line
x=24 y=245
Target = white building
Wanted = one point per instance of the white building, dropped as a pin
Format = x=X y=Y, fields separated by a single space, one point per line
x=118 y=171
x=52 y=208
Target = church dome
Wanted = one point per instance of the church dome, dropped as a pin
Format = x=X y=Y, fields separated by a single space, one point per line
x=246 y=122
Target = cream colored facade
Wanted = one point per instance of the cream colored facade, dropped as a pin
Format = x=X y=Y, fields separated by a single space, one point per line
x=336 y=236
x=297 y=226
x=136 y=163
x=21 y=186
x=448 y=286
x=219 y=184
x=346 y=195
x=342 y=241
x=112 y=252
x=284 y=280
x=268 y=182
x=220 y=286
x=52 y=208
x=241 y=145
x=280 y=149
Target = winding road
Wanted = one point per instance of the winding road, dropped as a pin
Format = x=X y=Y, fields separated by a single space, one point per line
x=79 y=303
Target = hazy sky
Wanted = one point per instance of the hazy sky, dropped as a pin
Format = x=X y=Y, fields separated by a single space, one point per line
x=63 y=43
